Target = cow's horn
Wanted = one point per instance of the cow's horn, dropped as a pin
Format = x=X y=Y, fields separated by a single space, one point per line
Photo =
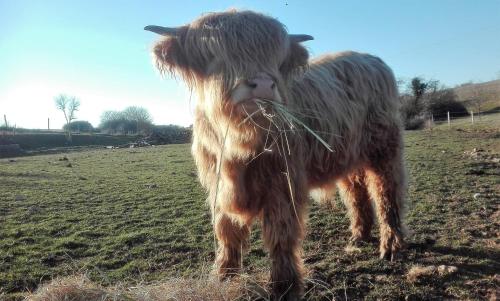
x=300 y=37
x=164 y=31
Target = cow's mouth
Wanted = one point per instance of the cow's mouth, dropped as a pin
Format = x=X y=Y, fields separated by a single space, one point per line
x=261 y=105
x=257 y=111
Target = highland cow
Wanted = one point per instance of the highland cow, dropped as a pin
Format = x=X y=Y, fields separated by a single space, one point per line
x=271 y=128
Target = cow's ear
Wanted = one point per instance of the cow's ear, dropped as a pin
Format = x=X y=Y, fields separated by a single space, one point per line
x=170 y=56
x=297 y=57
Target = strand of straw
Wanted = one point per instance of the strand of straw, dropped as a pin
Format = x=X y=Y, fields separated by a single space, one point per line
x=223 y=147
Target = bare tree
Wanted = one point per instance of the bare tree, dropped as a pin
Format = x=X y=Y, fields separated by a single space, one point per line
x=132 y=119
x=137 y=113
x=478 y=97
x=140 y=116
x=68 y=105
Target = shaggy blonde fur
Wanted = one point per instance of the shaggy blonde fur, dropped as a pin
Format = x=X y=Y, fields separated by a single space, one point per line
x=256 y=165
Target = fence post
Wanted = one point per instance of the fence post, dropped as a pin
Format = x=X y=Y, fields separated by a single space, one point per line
x=449 y=123
x=48 y=124
x=472 y=116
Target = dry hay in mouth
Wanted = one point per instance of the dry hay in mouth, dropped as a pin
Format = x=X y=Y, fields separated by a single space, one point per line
x=282 y=116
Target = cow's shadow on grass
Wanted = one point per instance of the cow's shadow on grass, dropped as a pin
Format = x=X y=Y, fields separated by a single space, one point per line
x=473 y=266
x=491 y=259
x=469 y=252
x=483 y=168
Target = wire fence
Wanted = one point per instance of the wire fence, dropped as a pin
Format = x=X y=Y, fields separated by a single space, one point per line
x=460 y=119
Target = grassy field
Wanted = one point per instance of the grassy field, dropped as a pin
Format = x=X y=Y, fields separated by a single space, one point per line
x=137 y=216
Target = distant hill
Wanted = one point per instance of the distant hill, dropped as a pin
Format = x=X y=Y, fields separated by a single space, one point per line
x=487 y=92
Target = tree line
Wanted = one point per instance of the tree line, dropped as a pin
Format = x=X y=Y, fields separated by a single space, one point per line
x=132 y=120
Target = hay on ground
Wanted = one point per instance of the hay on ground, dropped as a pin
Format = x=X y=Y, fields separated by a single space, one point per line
x=80 y=288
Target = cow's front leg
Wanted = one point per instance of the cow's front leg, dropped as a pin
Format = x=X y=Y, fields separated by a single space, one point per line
x=232 y=241
x=283 y=231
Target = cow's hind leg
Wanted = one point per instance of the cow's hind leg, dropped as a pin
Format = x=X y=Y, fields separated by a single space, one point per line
x=232 y=240
x=355 y=195
x=386 y=186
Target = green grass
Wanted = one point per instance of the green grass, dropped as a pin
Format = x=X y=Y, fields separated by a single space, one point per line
x=139 y=215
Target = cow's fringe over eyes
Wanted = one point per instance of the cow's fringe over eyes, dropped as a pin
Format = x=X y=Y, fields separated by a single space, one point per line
x=332 y=122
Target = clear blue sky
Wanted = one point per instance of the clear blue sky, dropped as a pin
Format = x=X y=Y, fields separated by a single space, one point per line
x=99 y=52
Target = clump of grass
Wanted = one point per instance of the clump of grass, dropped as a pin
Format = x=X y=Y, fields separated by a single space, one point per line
x=418 y=272
x=203 y=288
